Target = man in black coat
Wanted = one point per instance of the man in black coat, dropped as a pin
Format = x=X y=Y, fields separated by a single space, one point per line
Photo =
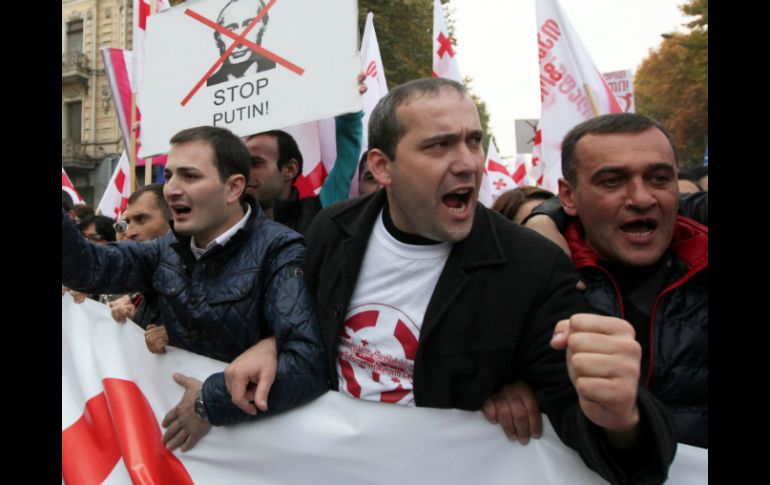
x=427 y=299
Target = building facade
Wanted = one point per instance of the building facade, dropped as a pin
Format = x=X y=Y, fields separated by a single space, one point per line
x=91 y=140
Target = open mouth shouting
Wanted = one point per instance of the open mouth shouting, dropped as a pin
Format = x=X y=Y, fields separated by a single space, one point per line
x=639 y=228
x=458 y=200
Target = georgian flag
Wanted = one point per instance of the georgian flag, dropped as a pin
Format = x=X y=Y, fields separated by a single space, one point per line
x=496 y=178
x=118 y=190
x=444 y=62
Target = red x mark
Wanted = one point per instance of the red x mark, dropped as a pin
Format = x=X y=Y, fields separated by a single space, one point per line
x=499 y=184
x=446 y=46
x=239 y=40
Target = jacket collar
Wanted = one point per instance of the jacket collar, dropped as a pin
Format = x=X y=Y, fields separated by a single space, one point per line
x=482 y=247
x=181 y=243
x=689 y=243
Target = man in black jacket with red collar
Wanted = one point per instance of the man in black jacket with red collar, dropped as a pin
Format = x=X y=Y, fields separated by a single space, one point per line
x=639 y=260
x=427 y=299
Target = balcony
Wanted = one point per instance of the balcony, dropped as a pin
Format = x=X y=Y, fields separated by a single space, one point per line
x=74 y=153
x=74 y=68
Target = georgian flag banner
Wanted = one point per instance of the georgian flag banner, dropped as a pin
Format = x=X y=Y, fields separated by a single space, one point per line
x=572 y=90
x=118 y=190
x=115 y=394
x=444 y=62
x=496 y=178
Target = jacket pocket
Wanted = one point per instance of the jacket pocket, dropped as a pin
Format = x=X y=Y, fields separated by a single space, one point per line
x=231 y=288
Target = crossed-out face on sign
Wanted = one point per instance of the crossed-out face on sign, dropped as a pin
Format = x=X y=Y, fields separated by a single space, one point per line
x=235 y=17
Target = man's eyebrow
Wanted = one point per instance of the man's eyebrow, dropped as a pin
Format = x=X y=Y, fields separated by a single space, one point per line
x=615 y=170
x=440 y=137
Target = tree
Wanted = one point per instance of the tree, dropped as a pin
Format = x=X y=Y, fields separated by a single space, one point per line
x=672 y=85
x=404 y=30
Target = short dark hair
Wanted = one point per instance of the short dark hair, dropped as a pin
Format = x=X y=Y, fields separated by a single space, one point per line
x=385 y=130
x=287 y=149
x=604 y=125
x=230 y=154
x=509 y=203
x=83 y=210
x=102 y=224
x=157 y=191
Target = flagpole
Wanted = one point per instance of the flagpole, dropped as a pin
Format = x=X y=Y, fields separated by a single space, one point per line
x=148 y=161
x=132 y=151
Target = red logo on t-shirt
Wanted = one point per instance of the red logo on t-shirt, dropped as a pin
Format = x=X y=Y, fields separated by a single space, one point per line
x=376 y=354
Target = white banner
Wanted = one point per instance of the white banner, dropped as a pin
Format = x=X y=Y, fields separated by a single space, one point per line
x=115 y=394
x=622 y=85
x=247 y=65
x=571 y=88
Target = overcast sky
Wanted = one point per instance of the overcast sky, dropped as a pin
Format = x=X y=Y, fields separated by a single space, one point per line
x=496 y=46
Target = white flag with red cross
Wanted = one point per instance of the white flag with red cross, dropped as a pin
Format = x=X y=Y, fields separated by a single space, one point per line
x=116 y=66
x=115 y=394
x=572 y=90
x=444 y=61
x=376 y=85
x=118 y=190
x=69 y=187
x=496 y=179
x=142 y=9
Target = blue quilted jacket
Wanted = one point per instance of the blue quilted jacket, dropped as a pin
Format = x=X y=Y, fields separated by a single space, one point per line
x=220 y=305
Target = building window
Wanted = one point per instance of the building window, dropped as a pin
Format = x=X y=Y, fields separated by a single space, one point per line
x=74 y=118
x=75 y=36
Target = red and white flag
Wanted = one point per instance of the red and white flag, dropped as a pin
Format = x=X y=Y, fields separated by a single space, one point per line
x=69 y=187
x=316 y=142
x=496 y=179
x=115 y=394
x=536 y=171
x=116 y=66
x=376 y=85
x=142 y=9
x=118 y=190
x=572 y=90
x=444 y=62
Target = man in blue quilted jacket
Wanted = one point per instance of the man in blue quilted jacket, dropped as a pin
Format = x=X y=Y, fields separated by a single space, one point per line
x=228 y=280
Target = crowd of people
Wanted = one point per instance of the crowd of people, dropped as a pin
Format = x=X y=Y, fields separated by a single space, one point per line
x=590 y=305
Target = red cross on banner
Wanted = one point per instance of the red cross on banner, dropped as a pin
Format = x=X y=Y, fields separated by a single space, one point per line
x=445 y=46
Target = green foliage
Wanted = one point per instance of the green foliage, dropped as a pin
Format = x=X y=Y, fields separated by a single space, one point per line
x=671 y=85
x=404 y=30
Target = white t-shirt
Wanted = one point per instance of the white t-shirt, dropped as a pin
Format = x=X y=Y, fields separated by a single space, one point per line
x=378 y=343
